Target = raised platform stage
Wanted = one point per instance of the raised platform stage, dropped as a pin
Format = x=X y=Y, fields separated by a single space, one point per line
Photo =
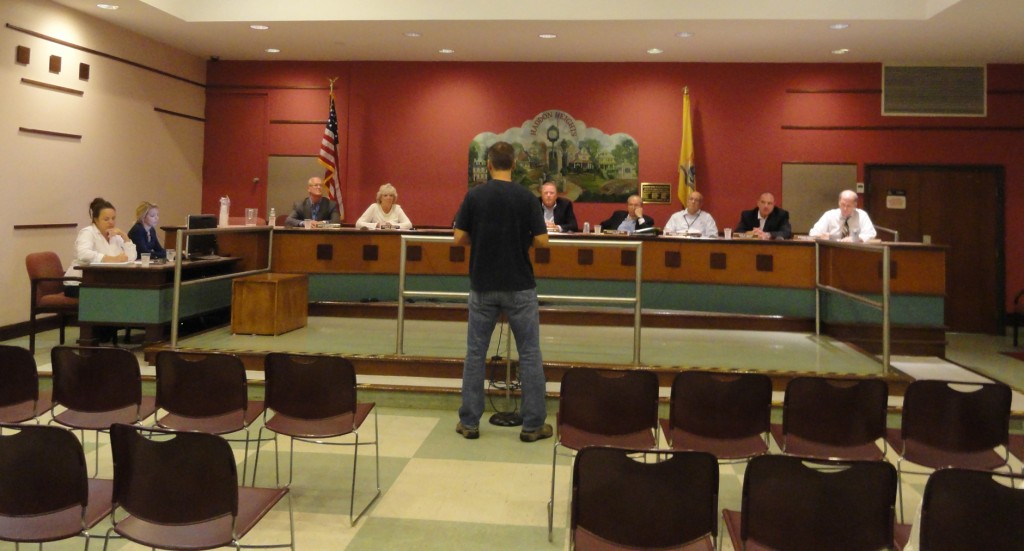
x=571 y=338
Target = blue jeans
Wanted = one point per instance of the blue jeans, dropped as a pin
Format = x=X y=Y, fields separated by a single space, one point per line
x=523 y=318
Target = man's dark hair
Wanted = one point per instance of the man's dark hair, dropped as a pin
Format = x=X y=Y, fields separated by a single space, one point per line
x=501 y=156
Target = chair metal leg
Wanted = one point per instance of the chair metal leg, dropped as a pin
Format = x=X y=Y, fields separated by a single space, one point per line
x=551 y=501
x=32 y=334
x=355 y=458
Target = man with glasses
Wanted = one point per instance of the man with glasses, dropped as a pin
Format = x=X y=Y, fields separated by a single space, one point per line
x=630 y=220
x=316 y=207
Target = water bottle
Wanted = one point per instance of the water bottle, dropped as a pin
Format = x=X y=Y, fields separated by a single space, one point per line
x=586 y=227
x=271 y=217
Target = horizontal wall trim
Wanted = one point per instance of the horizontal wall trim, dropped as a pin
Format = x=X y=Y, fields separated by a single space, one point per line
x=905 y=128
x=263 y=87
x=177 y=114
x=283 y=121
x=44 y=226
x=49 y=133
x=103 y=54
x=834 y=91
x=53 y=87
x=991 y=91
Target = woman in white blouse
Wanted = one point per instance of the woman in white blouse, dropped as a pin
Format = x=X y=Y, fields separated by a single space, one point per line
x=385 y=213
x=101 y=241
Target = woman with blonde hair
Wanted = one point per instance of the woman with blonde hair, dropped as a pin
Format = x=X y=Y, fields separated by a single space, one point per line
x=385 y=213
x=143 y=233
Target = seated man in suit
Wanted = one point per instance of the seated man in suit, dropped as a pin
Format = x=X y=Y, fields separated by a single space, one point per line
x=630 y=220
x=766 y=221
x=558 y=215
x=315 y=207
x=693 y=220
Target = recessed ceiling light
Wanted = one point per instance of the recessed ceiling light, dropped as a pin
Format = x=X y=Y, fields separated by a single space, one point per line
x=446 y=51
x=684 y=34
x=412 y=34
x=272 y=50
x=839 y=26
x=258 y=27
x=655 y=51
x=107 y=6
x=841 y=51
x=548 y=35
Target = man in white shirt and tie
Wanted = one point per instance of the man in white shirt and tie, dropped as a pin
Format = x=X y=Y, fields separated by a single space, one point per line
x=846 y=223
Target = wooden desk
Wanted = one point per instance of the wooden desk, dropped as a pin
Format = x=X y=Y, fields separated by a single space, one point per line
x=129 y=295
x=269 y=304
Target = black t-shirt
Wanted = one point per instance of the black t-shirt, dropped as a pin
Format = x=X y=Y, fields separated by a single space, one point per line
x=501 y=219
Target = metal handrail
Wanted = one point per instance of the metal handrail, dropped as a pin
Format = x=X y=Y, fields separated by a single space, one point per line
x=597 y=244
x=882 y=305
x=895 y=233
x=178 y=283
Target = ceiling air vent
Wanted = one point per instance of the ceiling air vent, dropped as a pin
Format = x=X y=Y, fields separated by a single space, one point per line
x=933 y=91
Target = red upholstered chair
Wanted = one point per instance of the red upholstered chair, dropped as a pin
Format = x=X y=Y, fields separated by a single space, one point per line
x=47 y=277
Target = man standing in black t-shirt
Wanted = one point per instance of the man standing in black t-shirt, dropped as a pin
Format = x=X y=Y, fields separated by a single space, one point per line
x=501 y=220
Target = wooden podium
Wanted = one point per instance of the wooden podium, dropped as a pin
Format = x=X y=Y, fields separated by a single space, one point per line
x=269 y=304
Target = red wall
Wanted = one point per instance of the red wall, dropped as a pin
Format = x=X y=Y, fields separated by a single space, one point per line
x=411 y=124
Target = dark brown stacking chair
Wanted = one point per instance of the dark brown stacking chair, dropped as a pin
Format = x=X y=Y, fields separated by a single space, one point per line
x=949 y=424
x=833 y=418
x=965 y=509
x=45 y=491
x=205 y=393
x=725 y=414
x=179 y=490
x=798 y=504
x=604 y=407
x=619 y=502
x=1016 y=448
x=20 y=399
x=312 y=398
x=47 y=277
x=95 y=387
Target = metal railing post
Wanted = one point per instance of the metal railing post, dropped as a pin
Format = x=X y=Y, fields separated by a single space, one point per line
x=635 y=301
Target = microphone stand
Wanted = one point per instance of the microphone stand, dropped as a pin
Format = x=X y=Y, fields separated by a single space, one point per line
x=507 y=418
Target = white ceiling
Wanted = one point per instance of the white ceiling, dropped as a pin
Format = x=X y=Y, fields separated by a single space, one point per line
x=887 y=31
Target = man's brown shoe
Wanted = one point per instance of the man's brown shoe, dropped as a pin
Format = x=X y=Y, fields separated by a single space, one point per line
x=469 y=433
x=535 y=435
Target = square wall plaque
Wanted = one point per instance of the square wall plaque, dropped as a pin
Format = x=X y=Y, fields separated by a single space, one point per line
x=656 y=194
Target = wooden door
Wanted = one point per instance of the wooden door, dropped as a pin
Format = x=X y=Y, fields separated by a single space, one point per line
x=234 y=158
x=960 y=207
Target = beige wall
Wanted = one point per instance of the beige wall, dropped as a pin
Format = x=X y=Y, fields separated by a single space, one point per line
x=128 y=151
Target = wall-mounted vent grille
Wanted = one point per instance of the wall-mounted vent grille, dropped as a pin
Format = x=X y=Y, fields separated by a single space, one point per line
x=933 y=91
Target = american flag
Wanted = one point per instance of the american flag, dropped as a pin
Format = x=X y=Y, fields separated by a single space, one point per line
x=329 y=157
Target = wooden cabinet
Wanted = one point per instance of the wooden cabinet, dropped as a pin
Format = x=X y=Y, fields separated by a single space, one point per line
x=269 y=304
